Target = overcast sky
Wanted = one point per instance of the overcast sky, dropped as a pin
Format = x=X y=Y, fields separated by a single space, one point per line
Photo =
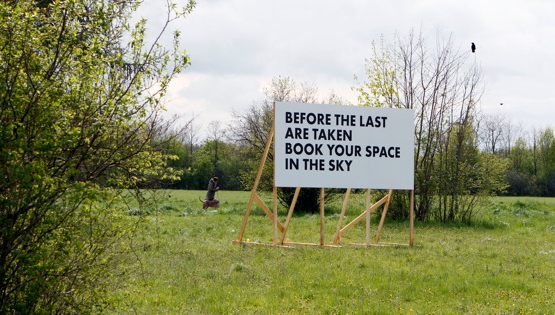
x=238 y=46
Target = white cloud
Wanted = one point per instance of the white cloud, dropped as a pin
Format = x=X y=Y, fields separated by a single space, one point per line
x=237 y=46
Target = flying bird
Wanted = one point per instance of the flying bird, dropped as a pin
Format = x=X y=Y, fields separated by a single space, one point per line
x=473 y=47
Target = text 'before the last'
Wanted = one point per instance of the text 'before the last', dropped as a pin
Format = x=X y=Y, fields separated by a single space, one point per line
x=324 y=119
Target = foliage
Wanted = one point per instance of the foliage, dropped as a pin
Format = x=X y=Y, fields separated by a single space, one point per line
x=546 y=162
x=382 y=88
x=80 y=102
x=532 y=168
x=466 y=176
x=228 y=167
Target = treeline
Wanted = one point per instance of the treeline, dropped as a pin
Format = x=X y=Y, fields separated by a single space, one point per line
x=199 y=162
x=531 y=171
x=233 y=152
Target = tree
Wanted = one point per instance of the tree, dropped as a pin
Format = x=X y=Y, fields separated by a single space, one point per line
x=251 y=129
x=215 y=136
x=229 y=168
x=444 y=89
x=465 y=175
x=546 y=162
x=80 y=104
x=494 y=130
x=192 y=134
x=170 y=139
x=520 y=176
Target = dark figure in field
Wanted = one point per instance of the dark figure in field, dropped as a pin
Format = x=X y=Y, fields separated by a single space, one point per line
x=210 y=200
x=473 y=47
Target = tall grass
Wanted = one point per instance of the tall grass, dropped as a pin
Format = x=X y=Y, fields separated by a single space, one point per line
x=184 y=262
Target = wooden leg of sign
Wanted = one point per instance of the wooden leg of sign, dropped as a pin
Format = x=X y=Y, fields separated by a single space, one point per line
x=256 y=183
x=362 y=215
x=247 y=213
x=384 y=213
x=289 y=214
x=337 y=236
x=269 y=213
x=322 y=217
x=368 y=217
x=274 y=194
x=411 y=228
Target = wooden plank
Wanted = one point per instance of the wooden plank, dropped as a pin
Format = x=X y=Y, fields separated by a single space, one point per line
x=411 y=227
x=368 y=217
x=293 y=244
x=377 y=245
x=382 y=219
x=290 y=213
x=275 y=219
x=258 y=244
x=362 y=215
x=256 y=183
x=309 y=244
x=337 y=237
x=321 y=216
x=267 y=211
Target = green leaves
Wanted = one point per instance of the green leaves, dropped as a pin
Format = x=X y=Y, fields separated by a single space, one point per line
x=80 y=102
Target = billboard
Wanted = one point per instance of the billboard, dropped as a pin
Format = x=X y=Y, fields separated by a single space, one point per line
x=334 y=146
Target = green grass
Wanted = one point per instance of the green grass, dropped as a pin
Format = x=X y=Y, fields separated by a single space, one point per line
x=504 y=263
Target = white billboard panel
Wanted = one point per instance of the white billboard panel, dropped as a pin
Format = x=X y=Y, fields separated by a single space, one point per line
x=334 y=146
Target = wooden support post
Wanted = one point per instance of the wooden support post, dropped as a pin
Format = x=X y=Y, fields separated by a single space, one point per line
x=384 y=213
x=289 y=214
x=274 y=195
x=361 y=216
x=368 y=217
x=266 y=210
x=337 y=236
x=411 y=227
x=275 y=221
x=322 y=217
x=256 y=183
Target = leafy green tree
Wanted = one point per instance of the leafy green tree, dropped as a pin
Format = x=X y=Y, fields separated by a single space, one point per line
x=381 y=86
x=546 y=162
x=80 y=100
x=170 y=139
x=229 y=167
x=232 y=165
x=201 y=170
x=520 y=176
x=465 y=176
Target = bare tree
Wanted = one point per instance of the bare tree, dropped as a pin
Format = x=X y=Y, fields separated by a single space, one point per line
x=444 y=88
x=216 y=133
x=335 y=99
x=493 y=131
x=251 y=128
x=192 y=133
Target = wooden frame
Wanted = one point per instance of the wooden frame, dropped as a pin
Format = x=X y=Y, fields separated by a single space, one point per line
x=277 y=226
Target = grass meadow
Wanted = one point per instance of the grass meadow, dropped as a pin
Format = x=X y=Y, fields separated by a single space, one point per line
x=184 y=262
